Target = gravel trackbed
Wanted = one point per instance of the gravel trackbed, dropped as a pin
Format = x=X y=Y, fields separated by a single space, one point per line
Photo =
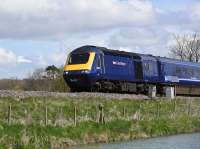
x=24 y=94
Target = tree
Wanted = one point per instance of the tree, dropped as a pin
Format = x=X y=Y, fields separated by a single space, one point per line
x=52 y=72
x=186 y=47
x=37 y=74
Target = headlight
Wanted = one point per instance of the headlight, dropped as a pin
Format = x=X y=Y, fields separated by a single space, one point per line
x=66 y=72
x=85 y=71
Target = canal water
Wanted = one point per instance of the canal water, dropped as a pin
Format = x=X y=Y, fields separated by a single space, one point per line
x=185 y=141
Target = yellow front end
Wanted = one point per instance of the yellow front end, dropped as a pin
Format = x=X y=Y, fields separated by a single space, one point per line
x=86 y=66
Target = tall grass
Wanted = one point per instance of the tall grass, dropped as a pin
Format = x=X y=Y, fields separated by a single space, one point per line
x=124 y=120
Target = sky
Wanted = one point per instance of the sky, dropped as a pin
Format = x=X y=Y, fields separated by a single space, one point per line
x=35 y=34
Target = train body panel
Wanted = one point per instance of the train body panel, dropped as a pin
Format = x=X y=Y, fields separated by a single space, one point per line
x=118 y=68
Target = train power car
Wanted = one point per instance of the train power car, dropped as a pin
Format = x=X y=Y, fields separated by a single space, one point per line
x=92 y=68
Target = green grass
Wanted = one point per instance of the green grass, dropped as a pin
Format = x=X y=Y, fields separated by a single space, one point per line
x=124 y=120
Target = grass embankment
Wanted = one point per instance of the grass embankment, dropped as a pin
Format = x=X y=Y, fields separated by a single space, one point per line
x=50 y=122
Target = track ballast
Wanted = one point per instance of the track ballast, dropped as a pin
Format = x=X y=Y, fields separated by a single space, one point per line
x=25 y=94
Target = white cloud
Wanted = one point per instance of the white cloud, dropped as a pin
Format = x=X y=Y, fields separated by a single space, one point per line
x=55 y=57
x=39 y=61
x=7 y=57
x=136 y=37
x=57 y=18
x=195 y=13
x=22 y=59
x=58 y=57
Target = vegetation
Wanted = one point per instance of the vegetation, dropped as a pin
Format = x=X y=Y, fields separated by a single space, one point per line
x=49 y=122
x=186 y=47
x=48 y=79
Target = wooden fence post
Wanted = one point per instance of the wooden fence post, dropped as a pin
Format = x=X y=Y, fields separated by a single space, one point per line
x=124 y=112
x=140 y=112
x=97 y=114
x=75 y=116
x=199 y=112
x=189 y=107
x=101 y=117
x=158 y=110
x=9 y=114
x=174 y=110
x=46 y=115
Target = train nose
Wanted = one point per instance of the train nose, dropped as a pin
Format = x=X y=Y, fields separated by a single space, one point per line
x=78 y=81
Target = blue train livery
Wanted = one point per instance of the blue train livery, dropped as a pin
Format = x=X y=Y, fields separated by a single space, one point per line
x=92 y=68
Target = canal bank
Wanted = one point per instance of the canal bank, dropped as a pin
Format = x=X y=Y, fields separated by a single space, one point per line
x=62 y=122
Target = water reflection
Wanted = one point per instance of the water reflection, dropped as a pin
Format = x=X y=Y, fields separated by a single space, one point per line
x=186 y=141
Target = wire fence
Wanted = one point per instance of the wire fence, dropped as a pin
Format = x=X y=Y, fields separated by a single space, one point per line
x=72 y=114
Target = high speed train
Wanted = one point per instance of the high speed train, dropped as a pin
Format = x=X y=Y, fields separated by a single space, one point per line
x=93 y=68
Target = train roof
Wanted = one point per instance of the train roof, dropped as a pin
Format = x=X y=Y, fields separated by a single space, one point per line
x=89 y=48
x=83 y=49
x=123 y=53
x=178 y=62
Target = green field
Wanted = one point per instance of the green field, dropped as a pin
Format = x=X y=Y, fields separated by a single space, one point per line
x=60 y=122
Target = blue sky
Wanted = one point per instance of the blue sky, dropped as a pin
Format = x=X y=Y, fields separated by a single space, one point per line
x=35 y=34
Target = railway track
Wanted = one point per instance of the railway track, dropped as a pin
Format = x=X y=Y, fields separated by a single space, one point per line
x=24 y=94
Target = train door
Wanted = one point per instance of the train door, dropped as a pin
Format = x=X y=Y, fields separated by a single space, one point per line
x=138 y=70
x=100 y=64
x=151 y=72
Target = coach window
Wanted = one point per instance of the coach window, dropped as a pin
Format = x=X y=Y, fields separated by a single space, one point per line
x=186 y=72
x=151 y=71
x=146 y=66
x=191 y=72
x=178 y=70
x=197 y=73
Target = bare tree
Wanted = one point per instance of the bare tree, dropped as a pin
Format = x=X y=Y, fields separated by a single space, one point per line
x=186 y=47
x=37 y=74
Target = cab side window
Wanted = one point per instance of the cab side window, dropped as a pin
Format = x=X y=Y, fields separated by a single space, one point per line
x=98 y=61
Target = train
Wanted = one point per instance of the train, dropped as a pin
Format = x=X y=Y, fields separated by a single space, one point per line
x=99 y=69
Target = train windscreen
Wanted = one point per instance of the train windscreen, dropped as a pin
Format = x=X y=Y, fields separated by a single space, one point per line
x=78 y=58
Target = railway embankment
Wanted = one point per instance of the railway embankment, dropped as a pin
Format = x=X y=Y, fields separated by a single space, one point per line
x=61 y=121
